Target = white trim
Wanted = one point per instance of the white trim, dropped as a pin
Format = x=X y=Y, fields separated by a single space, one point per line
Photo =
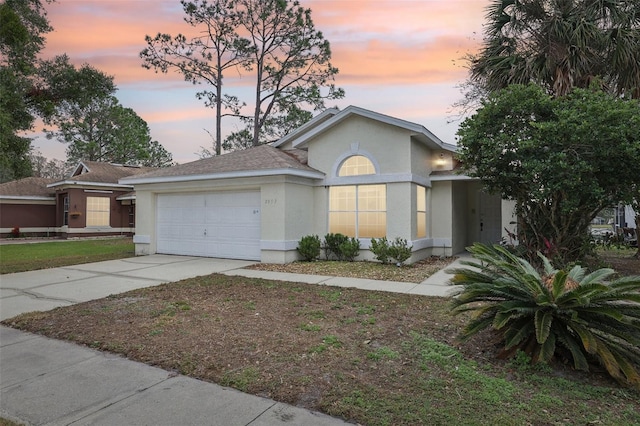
x=142 y=239
x=422 y=243
x=28 y=198
x=226 y=175
x=98 y=191
x=279 y=245
x=38 y=229
x=99 y=229
x=126 y=197
x=442 y=178
x=377 y=179
x=82 y=183
x=66 y=230
x=418 y=130
x=324 y=115
x=355 y=150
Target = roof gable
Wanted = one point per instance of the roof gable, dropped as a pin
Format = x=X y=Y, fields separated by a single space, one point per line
x=96 y=172
x=300 y=137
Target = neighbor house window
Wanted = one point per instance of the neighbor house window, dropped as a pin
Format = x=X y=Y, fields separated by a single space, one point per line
x=98 y=211
x=421 y=212
x=358 y=210
x=65 y=210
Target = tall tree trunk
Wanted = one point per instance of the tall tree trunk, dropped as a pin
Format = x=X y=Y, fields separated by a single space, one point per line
x=219 y=111
x=637 y=255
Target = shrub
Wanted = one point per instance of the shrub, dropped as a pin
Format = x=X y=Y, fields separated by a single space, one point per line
x=399 y=250
x=309 y=247
x=332 y=244
x=341 y=247
x=349 y=249
x=380 y=248
x=570 y=315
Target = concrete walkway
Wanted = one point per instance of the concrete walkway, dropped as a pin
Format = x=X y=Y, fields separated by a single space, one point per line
x=50 y=382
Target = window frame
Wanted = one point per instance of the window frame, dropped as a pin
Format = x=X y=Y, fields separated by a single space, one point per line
x=421 y=212
x=357 y=212
x=92 y=211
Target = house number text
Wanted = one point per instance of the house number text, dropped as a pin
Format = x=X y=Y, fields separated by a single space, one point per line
x=270 y=202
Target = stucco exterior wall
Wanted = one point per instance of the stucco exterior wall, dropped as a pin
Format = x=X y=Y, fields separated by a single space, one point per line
x=32 y=217
x=286 y=211
x=441 y=214
x=287 y=216
x=386 y=145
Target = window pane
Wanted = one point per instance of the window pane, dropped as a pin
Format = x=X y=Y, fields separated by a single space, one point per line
x=342 y=198
x=98 y=211
x=372 y=198
x=372 y=225
x=421 y=231
x=421 y=199
x=343 y=223
x=357 y=166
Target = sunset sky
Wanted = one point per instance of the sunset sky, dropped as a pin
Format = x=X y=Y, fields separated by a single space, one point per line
x=396 y=57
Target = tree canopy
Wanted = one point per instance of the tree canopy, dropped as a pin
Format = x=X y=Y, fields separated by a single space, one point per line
x=100 y=129
x=559 y=45
x=274 y=41
x=22 y=28
x=561 y=159
x=64 y=97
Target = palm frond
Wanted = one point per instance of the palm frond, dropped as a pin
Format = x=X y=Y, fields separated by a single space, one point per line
x=543 y=320
x=547 y=349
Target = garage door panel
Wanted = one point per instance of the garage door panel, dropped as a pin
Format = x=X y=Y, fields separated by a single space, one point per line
x=223 y=224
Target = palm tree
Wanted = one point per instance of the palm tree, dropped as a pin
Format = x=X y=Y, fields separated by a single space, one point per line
x=560 y=44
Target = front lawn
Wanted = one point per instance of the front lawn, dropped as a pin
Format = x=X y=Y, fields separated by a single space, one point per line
x=374 y=358
x=31 y=256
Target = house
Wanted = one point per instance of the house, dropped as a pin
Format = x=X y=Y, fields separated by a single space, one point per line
x=90 y=202
x=355 y=171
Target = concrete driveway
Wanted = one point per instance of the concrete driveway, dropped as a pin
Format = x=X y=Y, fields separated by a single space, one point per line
x=50 y=288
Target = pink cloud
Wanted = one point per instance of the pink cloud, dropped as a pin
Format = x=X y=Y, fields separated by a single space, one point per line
x=399 y=57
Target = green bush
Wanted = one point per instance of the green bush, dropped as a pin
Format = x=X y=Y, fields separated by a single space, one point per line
x=309 y=247
x=380 y=248
x=341 y=247
x=400 y=250
x=349 y=249
x=573 y=316
x=332 y=244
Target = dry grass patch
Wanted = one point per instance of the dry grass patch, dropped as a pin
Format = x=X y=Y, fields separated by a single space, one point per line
x=414 y=273
x=374 y=358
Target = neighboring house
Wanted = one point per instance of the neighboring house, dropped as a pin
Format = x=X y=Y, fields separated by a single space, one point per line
x=90 y=202
x=353 y=171
x=625 y=217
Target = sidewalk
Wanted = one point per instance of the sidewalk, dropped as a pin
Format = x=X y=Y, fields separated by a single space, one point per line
x=50 y=382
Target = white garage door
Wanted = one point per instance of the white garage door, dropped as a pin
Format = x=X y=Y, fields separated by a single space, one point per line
x=220 y=224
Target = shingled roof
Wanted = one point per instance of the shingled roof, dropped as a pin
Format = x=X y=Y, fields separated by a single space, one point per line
x=258 y=159
x=28 y=187
x=95 y=171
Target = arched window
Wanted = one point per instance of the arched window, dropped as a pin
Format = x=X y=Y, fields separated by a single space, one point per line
x=358 y=210
x=356 y=165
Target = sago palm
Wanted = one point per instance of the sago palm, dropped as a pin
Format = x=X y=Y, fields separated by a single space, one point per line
x=553 y=313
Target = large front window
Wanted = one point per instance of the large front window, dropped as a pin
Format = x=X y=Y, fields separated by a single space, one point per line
x=358 y=210
x=98 y=211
